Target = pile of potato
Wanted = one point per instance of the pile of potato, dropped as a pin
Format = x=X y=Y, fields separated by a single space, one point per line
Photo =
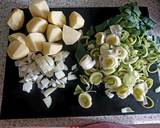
x=46 y=30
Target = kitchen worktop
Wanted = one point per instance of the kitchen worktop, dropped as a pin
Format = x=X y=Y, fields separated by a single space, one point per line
x=5 y=8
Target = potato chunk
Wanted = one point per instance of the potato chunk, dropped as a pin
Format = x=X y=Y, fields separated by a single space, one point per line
x=34 y=41
x=69 y=35
x=39 y=8
x=57 y=18
x=37 y=24
x=17 y=50
x=54 y=33
x=16 y=19
x=76 y=21
x=51 y=48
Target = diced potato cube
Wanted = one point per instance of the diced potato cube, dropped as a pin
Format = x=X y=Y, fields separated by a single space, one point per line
x=34 y=41
x=57 y=18
x=37 y=24
x=54 y=33
x=16 y=19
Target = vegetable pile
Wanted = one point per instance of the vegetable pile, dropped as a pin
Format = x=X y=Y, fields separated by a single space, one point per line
x=118 y=54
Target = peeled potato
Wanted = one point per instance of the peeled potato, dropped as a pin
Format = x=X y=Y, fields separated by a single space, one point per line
x=69 y=35
x=16 y=19
x=37 y=24
x=17 y=50
x=17 y=36
x=57 y=18
x=51 y=48
x=39 y=8
x=34 y=41
x=76 y=21
x=54 y=33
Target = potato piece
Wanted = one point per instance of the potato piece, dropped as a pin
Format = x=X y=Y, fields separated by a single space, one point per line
x=17 y=36
x=16 y=19
x=17 y=50
x=34 y=41
x=54 y=33
x=39 y=8
x=51 y=48
x=37 y=24
x=69 y=35
x=57 y=18
x=76 y=21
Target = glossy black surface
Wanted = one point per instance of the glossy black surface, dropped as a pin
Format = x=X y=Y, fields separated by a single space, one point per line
x=18 y=104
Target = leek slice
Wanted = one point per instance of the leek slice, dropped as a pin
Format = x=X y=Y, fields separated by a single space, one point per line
x=85 y=100
x=96 y=78
x=150 y=103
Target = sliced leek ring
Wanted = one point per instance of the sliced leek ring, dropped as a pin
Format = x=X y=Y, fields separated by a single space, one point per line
x=123 y=91
x=112 y=39
x=122 y=53
x=109 y=61
x=85 y=100
x=113 y=81
x=109 y=71
x=104 y=48
x=95 y=53
x=86 y=62
x=95 y=78
x=150 y=103
x=100 y=38
x=149 y=83
x=131 y=60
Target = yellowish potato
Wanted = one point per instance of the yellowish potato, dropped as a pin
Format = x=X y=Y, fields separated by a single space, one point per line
x=17 y=36
x=39 y=8
x=57 y=18
x=16 y=19
x=37 y=24
x=69 y=35
x=76 y=21
x=51 y=48
x=54 y=33
x=17 y=50
x=34 y=41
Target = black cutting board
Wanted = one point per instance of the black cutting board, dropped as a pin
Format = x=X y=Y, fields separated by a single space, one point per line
x=18 y=104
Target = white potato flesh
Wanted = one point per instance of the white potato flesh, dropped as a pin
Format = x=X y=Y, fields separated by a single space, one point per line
x=69 y=35
x=37 y=24
x=34 y=41
x=39 y=8
x=54 y=33
x=16 y=19
x=17 y=36
x=57 y=18
x=76 y=21
x=51 y=48
x=17 y=50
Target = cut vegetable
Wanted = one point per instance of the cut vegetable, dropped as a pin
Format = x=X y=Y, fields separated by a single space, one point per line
x=69 y=35
x=54 y=33
x=39 y=8
x=16 y=19
x=96 y=78
x=51 y=48
x=112 y=39
x=59 y=75
x=17 y=50
x=85 y=100
x=57 y=18
x=100 y=38
x=18 y=37
x=86 y=62
x=48 y=101
x=37 y=24
x=47 y=92
x=76 y=21
x=127 y=110
x=78 y=90
x=27 y=87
